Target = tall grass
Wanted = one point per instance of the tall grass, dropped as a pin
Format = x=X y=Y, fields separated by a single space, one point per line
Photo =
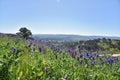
x=28 y=62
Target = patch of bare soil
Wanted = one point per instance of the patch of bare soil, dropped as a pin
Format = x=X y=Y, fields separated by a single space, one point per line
x=114 y=55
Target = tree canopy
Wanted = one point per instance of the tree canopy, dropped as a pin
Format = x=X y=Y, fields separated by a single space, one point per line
x=24 y=32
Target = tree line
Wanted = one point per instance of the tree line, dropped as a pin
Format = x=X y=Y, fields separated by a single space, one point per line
x=104 y=45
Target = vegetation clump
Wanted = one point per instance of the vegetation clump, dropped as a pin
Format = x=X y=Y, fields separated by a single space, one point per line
x=24 y=33
x=18 y=61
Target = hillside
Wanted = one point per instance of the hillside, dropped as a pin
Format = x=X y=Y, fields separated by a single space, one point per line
x=64 y=37
x=106 y=46
x=69 y=37
x=109 y=45
x=28 y=60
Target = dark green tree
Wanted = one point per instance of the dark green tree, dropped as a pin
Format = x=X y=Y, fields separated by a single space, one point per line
x=24 y=32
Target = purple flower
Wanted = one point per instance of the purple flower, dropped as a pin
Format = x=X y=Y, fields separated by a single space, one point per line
x=52 y=47
x=90 y=56
x=93 y=62
x=30 y=44
x=46 y=69
x=100 y=58
x=70 y=50
x=58 y=48
x=40 y=49
x=17 y=37
x=80 y=55
x=85 y=58
x=110 y=60
x=88 y=53
x=78 y=46
x=74 y=54
x=14 y=50
x=80 y=60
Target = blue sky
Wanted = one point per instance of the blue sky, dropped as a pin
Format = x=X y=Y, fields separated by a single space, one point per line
x=82 y=17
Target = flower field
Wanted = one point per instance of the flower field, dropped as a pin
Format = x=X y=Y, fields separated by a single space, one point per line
x=32 y=60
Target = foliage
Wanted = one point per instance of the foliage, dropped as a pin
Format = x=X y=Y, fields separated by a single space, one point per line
x=24 y=32
x=108 y=46
x=26 y=60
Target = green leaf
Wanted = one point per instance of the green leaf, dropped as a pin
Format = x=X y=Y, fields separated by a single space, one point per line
x=21 y=73
x=40 y=74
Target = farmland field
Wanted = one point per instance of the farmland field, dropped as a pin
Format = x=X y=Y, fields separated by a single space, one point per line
x=22 y=59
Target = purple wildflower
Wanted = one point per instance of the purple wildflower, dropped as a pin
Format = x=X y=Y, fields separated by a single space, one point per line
x=78 y=46
x=100 y=58
x=46 y=69
x=93 y=62
x=52 y=47
x=80 y=55
x=70 y=50
x=80 y=60
x=90 y=56
x=17 y=37
x=14 y=50
x=110 y=60
x=88 y=53
x=30 y=44
x=40 y=49
x=85 y=58
x=73 y=54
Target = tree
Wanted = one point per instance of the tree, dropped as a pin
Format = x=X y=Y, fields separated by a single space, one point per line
x=24 y=32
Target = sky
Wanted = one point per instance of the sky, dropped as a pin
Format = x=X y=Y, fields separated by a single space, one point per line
x=81 y=17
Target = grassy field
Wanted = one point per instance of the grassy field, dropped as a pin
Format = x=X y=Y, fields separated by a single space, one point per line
x=27 y=60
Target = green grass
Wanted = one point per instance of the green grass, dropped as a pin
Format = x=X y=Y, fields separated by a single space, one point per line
x=27 y=64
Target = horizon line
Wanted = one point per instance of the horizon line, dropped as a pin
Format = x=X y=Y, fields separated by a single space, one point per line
x=65 y=34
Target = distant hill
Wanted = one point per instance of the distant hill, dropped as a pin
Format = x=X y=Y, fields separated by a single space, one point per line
x=8 y=34
x=104 y=45
x=70 y=37
x=11 y=35
x=91 y=43
x=64 y=37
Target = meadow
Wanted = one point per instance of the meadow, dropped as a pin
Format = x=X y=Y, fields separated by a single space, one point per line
x=22 y=59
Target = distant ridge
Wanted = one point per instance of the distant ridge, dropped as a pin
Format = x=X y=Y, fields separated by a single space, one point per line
x=8 y=34
x=64 y=37
x=71 y=37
